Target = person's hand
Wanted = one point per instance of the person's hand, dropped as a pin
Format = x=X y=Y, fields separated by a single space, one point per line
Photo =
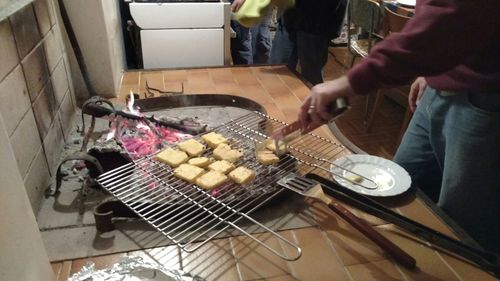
x=314 y=111
x=236 y=5
x=416 y=92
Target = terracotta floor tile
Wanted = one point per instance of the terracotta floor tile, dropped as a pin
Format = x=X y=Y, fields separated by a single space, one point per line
x=199 y=81
x=381 y=270
x=244 y=76
x=131 y=77
x=153 y=78
x=198 y=75
x=352 y=246
x=466 y=270
x=297 y=87
x=222 y=75
x=318 y=261
x=100 y=262
x=255 y=92
x=56 y=267
x=274 y=87
x=229 y=88
x=173 y=86
x=64 y=274
x=168 y=256
x=256 y=262
x=194 y=88
x=175 y=75
x=273 y=111
x=126 y=88
x=430 y=265
x=267 y=75
x=213 y=261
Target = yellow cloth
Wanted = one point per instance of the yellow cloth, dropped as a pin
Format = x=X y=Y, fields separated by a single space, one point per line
x=252 y=11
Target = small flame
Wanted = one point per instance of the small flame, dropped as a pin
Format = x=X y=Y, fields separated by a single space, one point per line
x=130 y=104
x=111 y=134
x=112 y=129
x=143 y=126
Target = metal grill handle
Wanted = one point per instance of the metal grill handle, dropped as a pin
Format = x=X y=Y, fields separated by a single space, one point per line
x=262 y=243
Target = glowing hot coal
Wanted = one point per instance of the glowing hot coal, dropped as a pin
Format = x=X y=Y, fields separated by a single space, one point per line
x=141 y=138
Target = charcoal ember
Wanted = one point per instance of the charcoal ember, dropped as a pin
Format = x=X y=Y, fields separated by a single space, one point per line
x=78 y=165
x=109 y=153
x=103 y=145
x=141 y=141
x=185 y=124
x=146 y=138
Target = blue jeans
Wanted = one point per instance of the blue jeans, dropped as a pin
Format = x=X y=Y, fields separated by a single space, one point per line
x=452 y=152
x=241 y=46
x=251 y=45
x=282 y=47
x=308 y=50
x=261 y=41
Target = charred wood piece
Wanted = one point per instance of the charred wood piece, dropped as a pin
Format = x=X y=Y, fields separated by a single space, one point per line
x=189 y=126
x=150 y=91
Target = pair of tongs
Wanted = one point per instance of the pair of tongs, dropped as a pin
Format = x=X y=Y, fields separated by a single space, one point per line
x=486 y=260
x=309 y=188
x=288 y=133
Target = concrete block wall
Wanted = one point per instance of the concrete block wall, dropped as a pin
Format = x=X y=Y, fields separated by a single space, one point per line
x=36 y=93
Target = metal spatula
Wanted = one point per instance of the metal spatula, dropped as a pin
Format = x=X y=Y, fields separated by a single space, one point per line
x=312 y=189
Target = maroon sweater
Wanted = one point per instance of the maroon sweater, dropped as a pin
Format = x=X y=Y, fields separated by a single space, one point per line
x=455 y=44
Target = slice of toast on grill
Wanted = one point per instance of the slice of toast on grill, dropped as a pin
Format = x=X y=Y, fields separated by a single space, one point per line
x=267 y=157
x=225 y=152
x=222 y=166
x=242 y=175
x=188 y=172
x=213 y=139
x=172 y=157
x=191 y=147
x=201 y=162
x=271 y=145
x=211 y=180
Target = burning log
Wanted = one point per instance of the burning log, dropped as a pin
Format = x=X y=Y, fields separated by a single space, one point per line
x=188 y=125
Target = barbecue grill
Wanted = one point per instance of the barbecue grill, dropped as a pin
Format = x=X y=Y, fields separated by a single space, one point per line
x=191 y=216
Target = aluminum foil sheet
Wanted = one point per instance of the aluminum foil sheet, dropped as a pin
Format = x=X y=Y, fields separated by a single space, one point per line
x=132 y=269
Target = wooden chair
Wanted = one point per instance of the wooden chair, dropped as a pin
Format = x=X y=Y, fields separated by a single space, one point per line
x=393 y=22
x=363 y=18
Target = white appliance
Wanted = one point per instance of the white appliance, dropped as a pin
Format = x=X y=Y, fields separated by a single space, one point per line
x=183 y=34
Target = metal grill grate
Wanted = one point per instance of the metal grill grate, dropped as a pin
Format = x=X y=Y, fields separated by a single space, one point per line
x=191 y=216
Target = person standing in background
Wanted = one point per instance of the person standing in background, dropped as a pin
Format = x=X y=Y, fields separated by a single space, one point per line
x=304 y=33
x=251 y=45
x=451 y=148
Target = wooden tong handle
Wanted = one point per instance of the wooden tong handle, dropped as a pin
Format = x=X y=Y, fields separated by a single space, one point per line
x=392 y=249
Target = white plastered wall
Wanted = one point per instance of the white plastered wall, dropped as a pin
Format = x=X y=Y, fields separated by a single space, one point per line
x=97 y=26
x=22 y=254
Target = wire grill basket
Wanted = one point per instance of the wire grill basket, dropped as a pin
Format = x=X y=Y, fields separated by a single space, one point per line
x=191 y=216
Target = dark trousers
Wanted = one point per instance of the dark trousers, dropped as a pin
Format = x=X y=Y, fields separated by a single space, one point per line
x=309 y=51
